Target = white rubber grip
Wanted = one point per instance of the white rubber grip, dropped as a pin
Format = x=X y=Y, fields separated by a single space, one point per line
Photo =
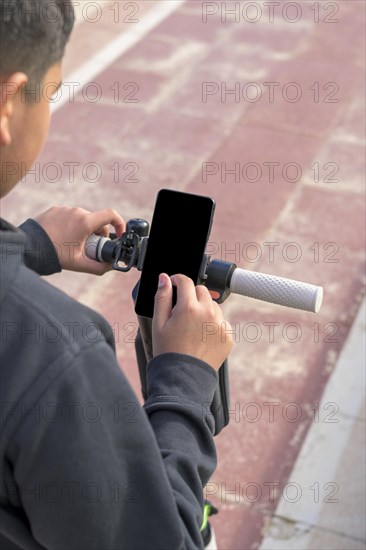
x=277 y=290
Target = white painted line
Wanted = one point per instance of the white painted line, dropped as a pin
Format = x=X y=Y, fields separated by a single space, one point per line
x=346 y=386
x=112 y=51
x=324 y=447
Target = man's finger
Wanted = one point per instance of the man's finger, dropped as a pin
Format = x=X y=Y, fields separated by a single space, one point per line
x=203 y=294
x=106 y=217
x=163 y=301
x=185 y=289
x=102 y=231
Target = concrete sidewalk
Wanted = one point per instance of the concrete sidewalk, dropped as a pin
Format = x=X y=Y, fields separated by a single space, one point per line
x=330 y=514
x=264 y=111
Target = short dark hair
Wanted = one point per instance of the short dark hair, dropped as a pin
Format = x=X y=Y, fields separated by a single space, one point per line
x=33 y=36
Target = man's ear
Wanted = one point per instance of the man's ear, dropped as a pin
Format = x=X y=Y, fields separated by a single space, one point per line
x=9 y=89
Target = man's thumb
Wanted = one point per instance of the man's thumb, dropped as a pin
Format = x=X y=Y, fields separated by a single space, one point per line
x=163 y=300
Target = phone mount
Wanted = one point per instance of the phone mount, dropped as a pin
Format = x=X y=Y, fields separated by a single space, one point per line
x=130 y=249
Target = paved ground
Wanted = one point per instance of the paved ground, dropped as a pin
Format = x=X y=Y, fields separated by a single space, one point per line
x=329 y=514
x=263 y=110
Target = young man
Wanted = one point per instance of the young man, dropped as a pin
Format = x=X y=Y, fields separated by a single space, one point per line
x=82 y=465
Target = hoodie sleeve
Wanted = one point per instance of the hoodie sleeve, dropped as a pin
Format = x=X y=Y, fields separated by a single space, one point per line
x=40 y=254
x=100 y=471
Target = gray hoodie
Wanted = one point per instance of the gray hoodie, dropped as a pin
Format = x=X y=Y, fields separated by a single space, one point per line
x=82 y=465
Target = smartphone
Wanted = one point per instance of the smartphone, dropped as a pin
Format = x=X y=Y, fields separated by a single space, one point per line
x=178 y=236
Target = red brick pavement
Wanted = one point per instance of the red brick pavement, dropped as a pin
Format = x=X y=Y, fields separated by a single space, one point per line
x=163 y=139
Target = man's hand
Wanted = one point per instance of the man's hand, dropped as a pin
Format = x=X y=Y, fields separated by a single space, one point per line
x=68 y=229
x=181 y=329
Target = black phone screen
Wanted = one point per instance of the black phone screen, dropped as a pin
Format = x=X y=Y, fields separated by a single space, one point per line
x=179 y=232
